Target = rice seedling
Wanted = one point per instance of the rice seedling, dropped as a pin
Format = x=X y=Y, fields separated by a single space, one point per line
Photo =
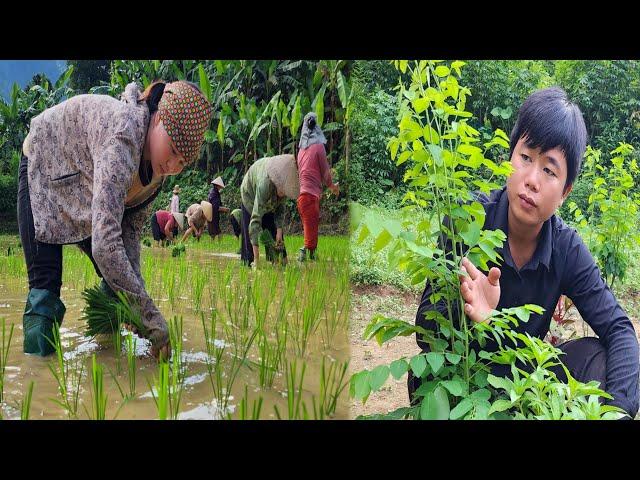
x=332 y=384
x=167 y=391
x=98 y=395
x=175 y=337
x=131 y=344
x=307 y=323
x=169 y=284
x=335 y=315
x=105 y=313
x=177 y=250
x=146 y=241
x=25 y=404
x=68 y=376
x=273 y=252
x=270 y=358
x=199 y=281
x=5 y=344
x=260 y=303
x=222 y=374
x=256 y=407
x=160 y=392
x=293 y=392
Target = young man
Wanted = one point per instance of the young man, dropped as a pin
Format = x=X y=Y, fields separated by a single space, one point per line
x=544 y=258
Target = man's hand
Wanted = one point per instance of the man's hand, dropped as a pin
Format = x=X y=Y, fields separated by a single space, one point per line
x=335 y=189
x=480 y=292
x=279 y=239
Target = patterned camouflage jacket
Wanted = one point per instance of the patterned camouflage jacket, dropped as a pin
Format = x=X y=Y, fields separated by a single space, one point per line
x=83 y=156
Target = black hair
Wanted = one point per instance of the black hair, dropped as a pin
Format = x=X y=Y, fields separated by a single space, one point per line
x=311 y=122
x=548 y=119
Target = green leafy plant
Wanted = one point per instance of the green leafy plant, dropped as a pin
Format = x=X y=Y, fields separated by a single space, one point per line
x=610 y=223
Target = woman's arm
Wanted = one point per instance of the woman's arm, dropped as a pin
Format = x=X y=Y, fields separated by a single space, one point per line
x=113 y=174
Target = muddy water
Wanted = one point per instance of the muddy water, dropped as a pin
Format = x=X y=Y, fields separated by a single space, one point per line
x=199 y=283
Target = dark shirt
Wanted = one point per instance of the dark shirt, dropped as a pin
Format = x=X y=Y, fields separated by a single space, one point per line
x=560 y=265
x=215 y=199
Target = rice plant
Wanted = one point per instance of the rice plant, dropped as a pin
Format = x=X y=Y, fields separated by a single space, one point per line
x=5 y=344
x=98 y=395
x=177 y=250
x=104 y=314
x=307 y=323
x=131 y=344
x=256 y=407
x=199 y=281
x=293 y=392
x=167 y=391
x=175 y=338
x=332 y=384
x=161 y=393
x=270 y=358
x=68 y=376
x=25 y=404
x=223 y=366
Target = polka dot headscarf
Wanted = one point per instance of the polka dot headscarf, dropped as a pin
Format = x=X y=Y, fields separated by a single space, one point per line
x=185 y=114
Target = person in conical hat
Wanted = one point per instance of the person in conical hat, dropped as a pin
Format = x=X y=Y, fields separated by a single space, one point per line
x=265 y=186
x=175 y=200
x=91 y=168
x=314 y=172
x=215 y=200
x=165 y=225
x=197 y=216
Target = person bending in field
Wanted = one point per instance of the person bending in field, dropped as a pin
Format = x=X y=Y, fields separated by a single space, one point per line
x=91 y=169
x=197 y=217
x=544 y=258
x=165 y=226
x=265 y=186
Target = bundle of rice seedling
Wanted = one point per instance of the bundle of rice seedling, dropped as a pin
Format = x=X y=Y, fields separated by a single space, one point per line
x=105 y=313
x=178 y=249
x=273 y=252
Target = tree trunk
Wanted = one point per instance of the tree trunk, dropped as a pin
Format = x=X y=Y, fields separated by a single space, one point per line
x=347 y=148
x=333 y=111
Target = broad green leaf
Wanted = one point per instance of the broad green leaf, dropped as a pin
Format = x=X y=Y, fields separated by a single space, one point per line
x=461 y=409
x=455 y=387
x=442 y=71
x=436 y=360
x=359 y=387
x=398 y=368
x=435 y=405
x=205 y=85
x=418 y=365
x=378 y=376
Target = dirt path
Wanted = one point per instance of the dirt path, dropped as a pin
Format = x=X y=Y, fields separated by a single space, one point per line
x=365 y=302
